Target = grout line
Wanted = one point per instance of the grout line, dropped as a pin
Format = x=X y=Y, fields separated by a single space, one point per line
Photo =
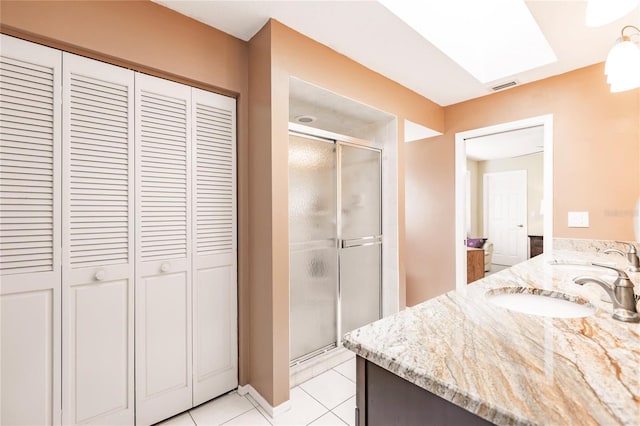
x=341 y=419
x=192 y=419
x=317 y=418
x=244 y=412
x=343 y=375
x=315 y=399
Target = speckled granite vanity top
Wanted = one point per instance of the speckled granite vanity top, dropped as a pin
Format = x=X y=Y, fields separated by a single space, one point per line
x=514 y=368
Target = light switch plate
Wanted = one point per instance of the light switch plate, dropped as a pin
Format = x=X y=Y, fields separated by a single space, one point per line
x=578 y=219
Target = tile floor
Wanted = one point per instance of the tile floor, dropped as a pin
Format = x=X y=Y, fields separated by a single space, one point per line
x=495 y=268
x=327 y=399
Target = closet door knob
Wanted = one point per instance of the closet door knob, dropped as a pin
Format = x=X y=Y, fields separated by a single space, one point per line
x=100 y=275
x=165 y=267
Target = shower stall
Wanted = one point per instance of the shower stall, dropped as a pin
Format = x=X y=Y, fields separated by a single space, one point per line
x=335 y=240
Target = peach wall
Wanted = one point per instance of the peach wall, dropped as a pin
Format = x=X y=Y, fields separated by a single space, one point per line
x=261 y=295
x=294 y=55
x=596 y=167
x=134 y=34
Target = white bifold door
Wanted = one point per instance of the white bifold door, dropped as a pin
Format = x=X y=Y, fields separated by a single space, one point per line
x=98 y=247
x=215 y=314
x=117 y=241
x=186 y=302
x=30 y=246
x=163 y=246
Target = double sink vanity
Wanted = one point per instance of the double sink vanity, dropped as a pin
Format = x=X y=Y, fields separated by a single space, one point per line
x=527 y=345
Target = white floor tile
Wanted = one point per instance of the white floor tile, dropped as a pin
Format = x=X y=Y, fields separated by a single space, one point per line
x=346 y=411
x=221 y=409
x=330 y=388
x=304 y=409
x=250 y=418
x=348 y=369
x=328 y=419
x=183 y=419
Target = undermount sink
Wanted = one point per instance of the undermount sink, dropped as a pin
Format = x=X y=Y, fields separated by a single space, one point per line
x=591 y=269
x=535 y=301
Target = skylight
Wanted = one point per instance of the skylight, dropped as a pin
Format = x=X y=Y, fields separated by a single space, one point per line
x=490 y=39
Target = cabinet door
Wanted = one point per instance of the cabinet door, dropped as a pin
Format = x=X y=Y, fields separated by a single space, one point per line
x=30 y=276
x=98 y=262
x=215 y=341
x=163 y=249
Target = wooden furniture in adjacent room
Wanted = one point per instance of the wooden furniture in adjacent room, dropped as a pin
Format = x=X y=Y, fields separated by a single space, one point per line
x=475 y=264
x=535 y=245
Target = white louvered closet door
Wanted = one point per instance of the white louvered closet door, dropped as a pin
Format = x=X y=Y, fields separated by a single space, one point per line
x=98 y=262
x=30 y=83
x=163 y=249
x=215 y=342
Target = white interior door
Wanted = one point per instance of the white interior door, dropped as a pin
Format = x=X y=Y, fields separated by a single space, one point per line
x=215 y=313
x=30 y=276
x=505 y=215
x=163 y=249
x=98 y=261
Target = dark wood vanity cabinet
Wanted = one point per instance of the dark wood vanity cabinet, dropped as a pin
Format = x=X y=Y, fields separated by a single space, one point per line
x=535 y=245
x=383 y=398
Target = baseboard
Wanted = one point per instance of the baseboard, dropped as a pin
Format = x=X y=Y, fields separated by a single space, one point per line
x=270 y=410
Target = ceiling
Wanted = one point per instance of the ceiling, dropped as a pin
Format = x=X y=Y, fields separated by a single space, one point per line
x=371 y=35
x=515 y=143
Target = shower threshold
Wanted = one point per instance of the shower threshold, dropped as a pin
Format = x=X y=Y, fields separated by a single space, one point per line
x=316 y=363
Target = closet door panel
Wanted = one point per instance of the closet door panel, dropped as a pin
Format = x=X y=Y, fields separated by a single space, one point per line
x=30 y=275
x=215 y=252
x=163 y=249
x=98 y=242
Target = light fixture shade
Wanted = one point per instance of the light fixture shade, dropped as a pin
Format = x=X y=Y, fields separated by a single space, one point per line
x=623 y=66
x=602 y=12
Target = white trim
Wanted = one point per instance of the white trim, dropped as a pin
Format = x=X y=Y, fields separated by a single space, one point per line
x=460 y=158
x=415 y=132
x=268 y=408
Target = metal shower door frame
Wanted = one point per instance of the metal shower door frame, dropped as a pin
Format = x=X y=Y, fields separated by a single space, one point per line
x=339 y=141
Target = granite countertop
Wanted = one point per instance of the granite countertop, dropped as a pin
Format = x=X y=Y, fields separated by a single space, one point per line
x=514 y=368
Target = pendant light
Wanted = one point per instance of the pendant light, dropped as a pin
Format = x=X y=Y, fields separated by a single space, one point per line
x=623 y=62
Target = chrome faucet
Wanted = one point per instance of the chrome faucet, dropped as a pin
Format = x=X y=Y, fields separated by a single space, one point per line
x=631 y=254
x=621 y=294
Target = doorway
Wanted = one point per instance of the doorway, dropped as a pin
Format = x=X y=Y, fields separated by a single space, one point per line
x=335 y=241
x=546 y=207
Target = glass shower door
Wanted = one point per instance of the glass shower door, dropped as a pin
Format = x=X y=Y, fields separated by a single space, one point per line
x=360 y=236
x=313 y=254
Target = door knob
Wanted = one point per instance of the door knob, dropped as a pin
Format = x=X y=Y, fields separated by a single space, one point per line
x=99 y=276
x=165 y=267
x=520 y=226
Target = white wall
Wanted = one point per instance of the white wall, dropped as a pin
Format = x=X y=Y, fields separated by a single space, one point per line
x=534 y=165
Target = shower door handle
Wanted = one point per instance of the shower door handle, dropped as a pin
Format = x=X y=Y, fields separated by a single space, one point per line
x=360 y=242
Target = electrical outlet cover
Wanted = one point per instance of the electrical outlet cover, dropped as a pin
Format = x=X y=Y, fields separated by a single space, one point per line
x=578 y=219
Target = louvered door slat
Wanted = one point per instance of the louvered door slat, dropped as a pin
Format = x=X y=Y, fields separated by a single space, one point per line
x=155 y=153
x=26 y=165
x=215 y=170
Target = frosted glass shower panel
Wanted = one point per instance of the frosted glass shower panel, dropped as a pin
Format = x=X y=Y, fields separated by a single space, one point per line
x=360 y=182
x=313 y=301
x=313 y=254
x=360 y=285
x=312 y=190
